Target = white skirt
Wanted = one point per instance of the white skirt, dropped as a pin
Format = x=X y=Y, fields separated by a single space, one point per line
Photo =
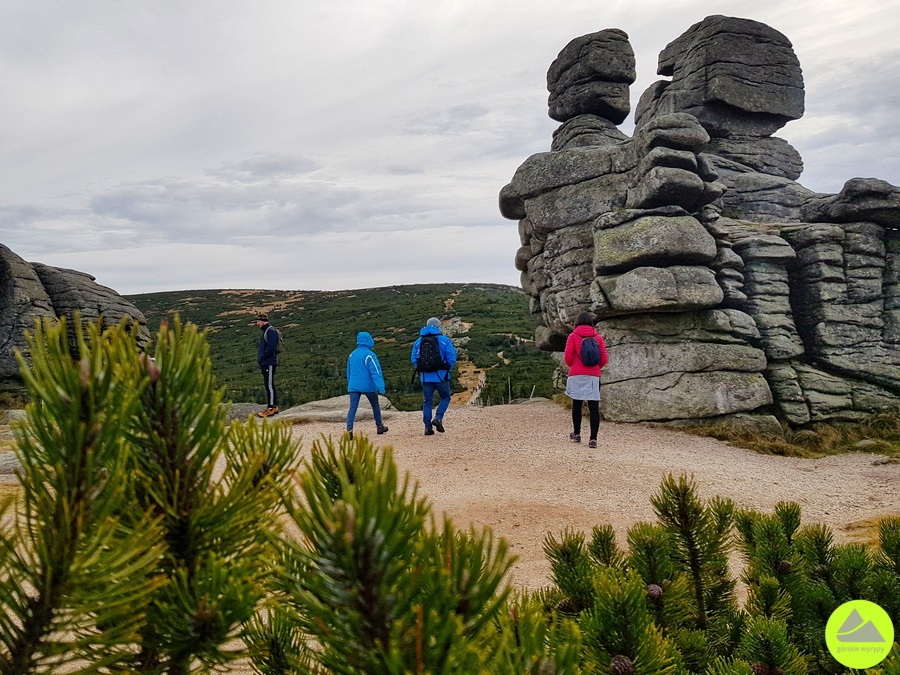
x=583 y=387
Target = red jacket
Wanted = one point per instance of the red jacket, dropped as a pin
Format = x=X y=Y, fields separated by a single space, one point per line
x=572 y=354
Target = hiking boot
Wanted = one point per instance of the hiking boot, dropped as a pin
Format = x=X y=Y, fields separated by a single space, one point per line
x=575 y=438
x=439 y=426
x=268 y=412
x=429 y=432
x=592 y=443
x=350 y=431
x=382 y=430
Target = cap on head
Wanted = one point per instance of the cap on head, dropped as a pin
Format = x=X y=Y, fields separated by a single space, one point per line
x=433 y=321
x=262 y=316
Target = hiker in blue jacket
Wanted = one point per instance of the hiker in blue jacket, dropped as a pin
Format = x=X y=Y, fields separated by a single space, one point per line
x=267 y=358
x=364 y=378
x=434 y=366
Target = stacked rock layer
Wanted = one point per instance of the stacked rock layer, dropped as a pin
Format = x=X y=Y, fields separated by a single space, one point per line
x=723 y=287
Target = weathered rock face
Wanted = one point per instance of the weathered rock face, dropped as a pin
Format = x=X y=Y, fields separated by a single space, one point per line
x=30 y=291
x=723 y=287
x=591 y=76
x=737 y=77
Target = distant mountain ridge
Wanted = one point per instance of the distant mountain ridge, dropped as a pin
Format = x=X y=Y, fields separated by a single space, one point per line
x=489 y=323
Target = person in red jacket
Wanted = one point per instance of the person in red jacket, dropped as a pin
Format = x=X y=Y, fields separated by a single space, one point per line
x=583 y=383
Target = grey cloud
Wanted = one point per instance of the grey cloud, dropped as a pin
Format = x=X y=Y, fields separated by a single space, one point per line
x=17 y=216
x=503 y=127
x=453 y=120
x=204 y=210
x=850 y=122
x=201 y=210
x=267 y=166
x=398 y=170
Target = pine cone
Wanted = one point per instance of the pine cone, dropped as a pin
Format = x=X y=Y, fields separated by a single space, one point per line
x=776 y=671
x=654 y=592
x=567 y=606
x=621 y=665
x=784 y=567
x=760 y=668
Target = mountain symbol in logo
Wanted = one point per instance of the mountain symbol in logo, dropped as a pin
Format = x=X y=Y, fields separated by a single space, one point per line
x=855 y=629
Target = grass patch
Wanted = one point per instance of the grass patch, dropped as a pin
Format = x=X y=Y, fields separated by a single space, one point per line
x=11 y=400
x=879 y=434
x=7 y=442
x=865 y=531
x=11 y=490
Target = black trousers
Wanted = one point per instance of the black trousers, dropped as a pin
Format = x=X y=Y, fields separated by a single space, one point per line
x=268 y=373
x=593 y=413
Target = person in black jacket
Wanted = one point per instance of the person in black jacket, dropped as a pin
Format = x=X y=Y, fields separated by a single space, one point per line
x=267 y=357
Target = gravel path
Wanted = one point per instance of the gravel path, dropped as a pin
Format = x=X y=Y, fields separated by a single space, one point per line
x=513 y=469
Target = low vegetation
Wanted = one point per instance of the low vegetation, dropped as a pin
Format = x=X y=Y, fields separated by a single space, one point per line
x=878 y=434
x=495 y=336
x=151 y=539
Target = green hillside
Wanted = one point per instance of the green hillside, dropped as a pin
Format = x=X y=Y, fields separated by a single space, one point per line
x=495 y=338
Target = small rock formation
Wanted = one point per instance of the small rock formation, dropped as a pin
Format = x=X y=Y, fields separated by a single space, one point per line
x=722 y=286
x=30 y=291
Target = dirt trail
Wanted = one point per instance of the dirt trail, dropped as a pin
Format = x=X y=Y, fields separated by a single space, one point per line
x=513 y=469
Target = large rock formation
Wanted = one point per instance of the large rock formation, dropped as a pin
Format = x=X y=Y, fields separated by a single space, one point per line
x=30 y=291
x=723 y=286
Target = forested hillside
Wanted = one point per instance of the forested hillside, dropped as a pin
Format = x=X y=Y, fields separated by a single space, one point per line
x=489 y=323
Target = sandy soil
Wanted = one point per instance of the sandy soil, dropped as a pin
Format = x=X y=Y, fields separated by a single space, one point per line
x=513 y=469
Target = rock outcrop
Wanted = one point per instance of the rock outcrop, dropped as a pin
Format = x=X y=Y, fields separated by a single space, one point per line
x=30 y=291
x=723 y=286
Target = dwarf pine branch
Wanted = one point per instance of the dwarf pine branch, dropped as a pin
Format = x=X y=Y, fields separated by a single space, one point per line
x=74 y=576
x=382 y=590
x=217 y=491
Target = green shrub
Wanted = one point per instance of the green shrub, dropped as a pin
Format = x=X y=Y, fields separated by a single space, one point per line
x=143 y=541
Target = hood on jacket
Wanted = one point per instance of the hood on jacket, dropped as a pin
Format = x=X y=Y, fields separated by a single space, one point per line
x=430 y=330
x=363 y=339
x=585 y=331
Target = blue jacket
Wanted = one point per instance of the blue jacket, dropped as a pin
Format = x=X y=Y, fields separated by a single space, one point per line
x=448 y=353
x=268 y=343
x=363 y=369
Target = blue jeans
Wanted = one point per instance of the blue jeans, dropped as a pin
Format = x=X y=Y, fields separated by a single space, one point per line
x=428 y=389
x=354 y=404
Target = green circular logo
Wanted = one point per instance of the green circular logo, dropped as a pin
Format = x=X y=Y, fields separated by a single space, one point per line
x=859 y=634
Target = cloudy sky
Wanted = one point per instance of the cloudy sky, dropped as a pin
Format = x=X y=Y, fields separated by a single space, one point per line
x=312 y=144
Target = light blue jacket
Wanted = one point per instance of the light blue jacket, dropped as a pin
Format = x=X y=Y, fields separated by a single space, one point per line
x=363 y=369
x=448 y=353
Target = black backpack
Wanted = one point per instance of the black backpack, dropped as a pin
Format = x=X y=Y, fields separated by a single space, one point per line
x=430 y=359
x=590 y=352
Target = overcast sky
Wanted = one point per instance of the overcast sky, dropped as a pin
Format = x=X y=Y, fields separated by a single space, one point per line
x=334 y=144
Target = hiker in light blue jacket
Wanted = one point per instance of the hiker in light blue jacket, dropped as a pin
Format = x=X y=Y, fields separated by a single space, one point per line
x=364 y=378
x=434 y=356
